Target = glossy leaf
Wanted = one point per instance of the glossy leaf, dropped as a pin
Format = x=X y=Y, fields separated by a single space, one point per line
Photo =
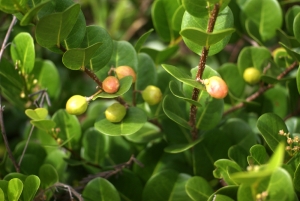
x=258 y=155
x=296 y=27
x=22 y=52
x=94 y=35
x=269 y=125
x=290 y=16
x=125 y=84
x=146 y=134
x=37 y=114
x=162 y=13
x=182 y=76
x=178 y=148
x=142 y=40
x=95 y=146
x=177 y=18
x=31 y=14
x=229 y=191
x=14 y=189
x=166 y=185
x=52 y=29
x=198 y=188
x=224 y=169
x=2 y=195
x=47 y=76
x=267 y=15
x=291 y=51
x=100 y=189
x=78 y=58
x=160 y=56
x=174 y=111
x=9 y=6
x=176 y=91
x=48 y=175
x=202 y=38
x=56 y=158
x=43 y=124
x=69 y=126
x=223 y=22
x=31 y=185
x=133 y=121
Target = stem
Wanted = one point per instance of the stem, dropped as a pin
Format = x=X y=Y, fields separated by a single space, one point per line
x=261 y=90
x=26 y=145
x=93 y=76
x=201 y=67
x=3 y=132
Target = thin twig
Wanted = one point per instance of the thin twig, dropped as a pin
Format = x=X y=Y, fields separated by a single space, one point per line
x=93 y=76
x=201 y=67
x=26 y=145
x=3 y=132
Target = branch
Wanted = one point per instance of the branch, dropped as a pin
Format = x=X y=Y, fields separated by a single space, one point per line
x=3 y=132
x=261 y=90
x=201 y=67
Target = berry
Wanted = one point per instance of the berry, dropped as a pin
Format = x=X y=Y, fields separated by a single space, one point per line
x=152 y=95
x=77 y=105
x=110 y=84
x=123 y=71
x=252 y=75
x=216 y=87
x=115 y=113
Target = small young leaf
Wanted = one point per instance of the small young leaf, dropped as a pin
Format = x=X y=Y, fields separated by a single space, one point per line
x=198 y=188
x=14 y=189
x=31 y=185
x=48 y=175
x=142 y=40
x=37 y=114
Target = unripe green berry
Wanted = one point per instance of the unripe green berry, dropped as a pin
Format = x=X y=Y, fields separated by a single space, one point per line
x=77 y=105
x=110 y=84
x=152 y=95
x=115 y=113
x=216 y=87
x=252 y=75
x=123 y=71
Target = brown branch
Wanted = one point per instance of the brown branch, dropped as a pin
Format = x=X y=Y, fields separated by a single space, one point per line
x=261 y=90
x=92 y=75
x=3 y=132
x=201 y=67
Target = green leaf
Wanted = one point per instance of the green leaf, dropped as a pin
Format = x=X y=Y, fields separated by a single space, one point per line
x=14 y=189
x=160 y=56
x=37 y=114
x=267 y=15
x=224 y=168
x=95 y=146
x=177 y=18
x=162 y=12
x=198 y=188
x=48 y=175
x=47 y=76
x=31 y=14
x=291 y=51
x=78 y=58
x=94 y=35
x=1 y=194
x=224 y=22
x=258 y=155
x=9 y=6
x=142 y=40
x=177 y=148
x=230 y=191
x=177 y=91
x=296 y=179
x=147 y=133
x=43 y=124
x=202 y=38
x=23 y=53
x=173 y=110
x=133 y=121
x=31 y=185
x=52 y=29
x=269 y=125
x=166 y=185
x=182 y=76
x=290 y=17
x=8 y=71
x=56 y=158
x=101 y=190
x=125 y=84
x=70 y=130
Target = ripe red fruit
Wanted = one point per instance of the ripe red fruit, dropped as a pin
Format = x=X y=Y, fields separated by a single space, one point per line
x=123 y=71
x=110 y=84
x=216 y=87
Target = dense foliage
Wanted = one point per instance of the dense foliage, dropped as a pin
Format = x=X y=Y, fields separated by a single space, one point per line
x=150 y=100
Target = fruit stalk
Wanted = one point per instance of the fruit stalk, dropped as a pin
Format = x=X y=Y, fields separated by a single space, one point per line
x=201 y=67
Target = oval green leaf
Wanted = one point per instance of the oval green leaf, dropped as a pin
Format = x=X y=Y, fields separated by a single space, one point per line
x=14 y=189
x=48 y=175
x=31 y=185
x=37 y=114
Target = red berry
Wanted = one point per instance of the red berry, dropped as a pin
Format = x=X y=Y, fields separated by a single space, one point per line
x=216 y=87
x=123 y=71
x=110 y=84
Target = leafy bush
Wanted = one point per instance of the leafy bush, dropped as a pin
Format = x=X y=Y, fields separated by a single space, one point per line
x=187 y=125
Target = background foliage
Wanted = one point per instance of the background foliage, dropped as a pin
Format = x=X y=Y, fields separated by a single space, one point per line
x=243 y=147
